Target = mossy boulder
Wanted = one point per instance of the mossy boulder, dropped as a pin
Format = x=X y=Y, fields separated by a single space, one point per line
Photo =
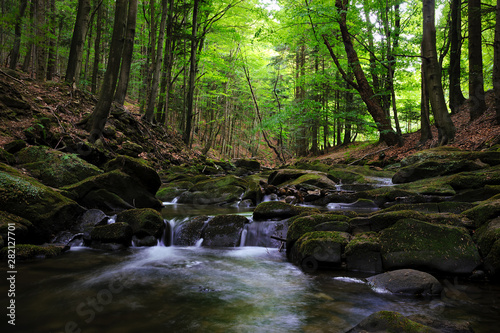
x=172 y=190
x=15 y=146
x=416 y=244
x=381 y=220
x=119 y=233
x=144 y=222
x=279 y=210
x=249 y=164
x=477 y=194
x=6 y=157
x=23 y=228
x=363 y=253
x=253 y=191
x=48 y=210
x=434 y=207
x=314 y=222
x=406 y=281
x=224 y=231
x=484 y=211
x=434 y=168
x=54 y=168
x=390 y=321
x=118 y=184
x=438 y=153
x=487 y=235
x=30 y=251
x=220 y=190
x=475 y=179
x=138 y=170
x=189 y=232
x=319 y=247
x=305 y=178
x=492 y=261
x=386 y=194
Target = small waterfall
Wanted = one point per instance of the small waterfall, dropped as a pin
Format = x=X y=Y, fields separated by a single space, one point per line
x=112 y=219
x=243 y=236
x=166 y=234
x=199 y=242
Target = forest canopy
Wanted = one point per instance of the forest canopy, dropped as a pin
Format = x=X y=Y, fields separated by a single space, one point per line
x=288 y=77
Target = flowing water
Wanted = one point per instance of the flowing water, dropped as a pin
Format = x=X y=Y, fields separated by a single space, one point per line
x=197 y=289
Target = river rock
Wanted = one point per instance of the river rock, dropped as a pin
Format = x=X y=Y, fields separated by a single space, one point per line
x=390 y=321
x=6 y=157
x=412 y=243
x=484 y=211
x=220 y=190
x=248 y=164
x=54 y=168
x=48 y=210
x=279 y=210
x=406 y=281
x=23 y=228
x=144 y=222
x=29 y=251
x=363 y=253
x=319 y=247
x=188 y=233
x=381 y=220
x=172 y=190
x=305 y=178
x=137 y=169
x=492 y=261
x=444 y=326
x=118 y=233
x=224 y=231
x=120 y=187
x=315 y=222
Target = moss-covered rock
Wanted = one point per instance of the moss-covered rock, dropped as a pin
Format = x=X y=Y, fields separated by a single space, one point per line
x=484 y=211
x=420 y=245
x=406 y=281
x=492 y=261
x=386 y=194
x=48 y=211
x=363 y=253
x=252 y=165
x=54 y=168
x=117 y=183
x=435 y=168
x=220 y=190
x=29 y=251
x=137 y=169
x=434 y=207
x=172 y=190
x=23 y=228
x=303 y=225
x=475 y=179
x=253 y=191
x=6 y=157
x=188 y=233
x=390 y=321
x=477 y=194
x=381 y=220
x=279 y=210
x=119 y=233
x=224 y=231
x=144 y=222
x=487 y=235
x=15 y=146
x=319 y=247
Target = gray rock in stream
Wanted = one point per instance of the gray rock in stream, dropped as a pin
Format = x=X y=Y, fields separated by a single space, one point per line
x=224 y=231
x=406 y=281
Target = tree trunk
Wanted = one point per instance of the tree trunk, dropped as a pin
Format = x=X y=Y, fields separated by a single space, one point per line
x=456 y=96
x=148 y=116
x=186 y=136
x=384 y=126
x=128 y=51
x=97 y=50
x=166 y=79
x=77 y=41
x=425 y=123
x=14 y=54
x=432 y=72
x=51 y=64
x=41 y=39
x=476 y=82
x=496 y=65
x=103 y=106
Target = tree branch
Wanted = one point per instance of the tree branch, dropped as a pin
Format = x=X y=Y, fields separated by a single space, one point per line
x=337 y=63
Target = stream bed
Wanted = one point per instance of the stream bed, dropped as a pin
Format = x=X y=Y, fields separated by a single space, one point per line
x=198 y=289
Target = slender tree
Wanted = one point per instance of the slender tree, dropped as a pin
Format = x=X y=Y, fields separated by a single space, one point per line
x=101 y=111
x=14 y=54
x=455 y=35
x=128 y=50
x=432 y=72
x=496 y=65
x=51 y=64
x=77 y=41
x=41 y=40
x=476 y=81
x=97 y=48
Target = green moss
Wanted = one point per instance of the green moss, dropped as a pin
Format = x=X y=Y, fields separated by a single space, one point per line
x=486 y=210
x=487 y=235
x=144 y=222
x=311 y=241
x=303 y=225
x=395 y=322
x=279 y=209
x=363 y=243
x=29 y=251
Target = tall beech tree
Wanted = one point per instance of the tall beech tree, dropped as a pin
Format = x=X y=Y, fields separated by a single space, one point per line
x=77 y=41
x=477 y=97
x=432 y=74
x=101 y=111
x=362 y=85
x=455 y=35
x=14 y=54
x=496 y=64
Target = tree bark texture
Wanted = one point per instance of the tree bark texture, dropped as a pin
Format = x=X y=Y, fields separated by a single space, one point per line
x=128 y=51
x=383 y=123
x=432 y=71
x=41 y=40
x=97 y=50
x=14 y=54
x=77 y=41
x=496 y=65
x=103 y=106
x=456 y=96
x=51 y=63
x=476 y=81
x=425 y=123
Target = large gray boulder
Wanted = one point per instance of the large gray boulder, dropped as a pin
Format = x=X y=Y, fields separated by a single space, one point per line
x=406 y=281
x=224 y=231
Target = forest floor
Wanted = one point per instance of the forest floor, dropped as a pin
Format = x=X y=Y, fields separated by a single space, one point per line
x=32 y=102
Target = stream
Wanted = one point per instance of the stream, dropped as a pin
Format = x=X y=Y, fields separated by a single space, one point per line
x=199 y=289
